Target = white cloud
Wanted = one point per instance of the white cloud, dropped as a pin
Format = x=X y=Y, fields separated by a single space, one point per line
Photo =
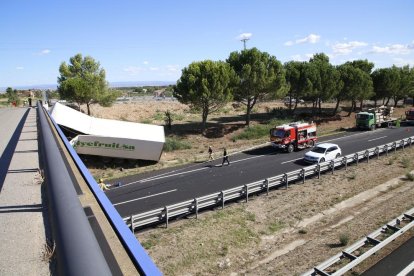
x=173 y=68
x=19 y=68
x=145 y=62
x=304 y=57
x=312 y=38
x=347 y=48
x=244 y=36
x=397 y=49
x=167 y=70
x=44 y=52
x=403 y=62
x=133 y=70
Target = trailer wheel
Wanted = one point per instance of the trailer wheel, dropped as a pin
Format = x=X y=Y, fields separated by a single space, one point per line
x=290 y=148
x=372 y=127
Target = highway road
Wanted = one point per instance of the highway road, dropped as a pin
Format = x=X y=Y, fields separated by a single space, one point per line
x=144 y=192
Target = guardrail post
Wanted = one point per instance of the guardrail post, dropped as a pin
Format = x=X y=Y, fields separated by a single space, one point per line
x=222 y=199
x=409 y=141
x=303 y=175
x=367 y=153
x=196 y=207
x=377 y=151
x=246 y=190
x=356 y=157
x=345 y=162
x=166 y=215
x=402 y=143
x=132 y=223
x=332 y=164
x=319 y=170
x=395 y=146
x=285 y=178
x=266 y=182
x=386 y=149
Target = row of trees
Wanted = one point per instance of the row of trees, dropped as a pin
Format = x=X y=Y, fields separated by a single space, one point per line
x=251 y=75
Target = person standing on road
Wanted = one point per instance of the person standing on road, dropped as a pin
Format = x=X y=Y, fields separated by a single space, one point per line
x=225 y=158
x=210 y=154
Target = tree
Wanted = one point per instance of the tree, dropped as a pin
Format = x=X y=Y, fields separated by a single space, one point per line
x=12 y=96
x=328 y=84
x=297 y=81
x=260 y=75
x=366 y=67
x=386 y=83
x=82 y=81
x=357 y=85
x=206 y=85
x=406 y=81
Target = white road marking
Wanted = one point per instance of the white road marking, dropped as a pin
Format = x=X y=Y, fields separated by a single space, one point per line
x=291 y=160
x=182 y=173
x=175 y=172
x=343 y=137
x=166 y=192
x=407 y=270
x=377 y=138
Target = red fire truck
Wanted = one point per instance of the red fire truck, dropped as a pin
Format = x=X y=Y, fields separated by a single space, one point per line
x=293 y=136
x=409 y=116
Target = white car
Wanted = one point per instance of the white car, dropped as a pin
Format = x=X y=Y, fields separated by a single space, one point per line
x=323 y=152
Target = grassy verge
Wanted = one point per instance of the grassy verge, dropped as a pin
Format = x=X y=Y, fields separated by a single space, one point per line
x=258 y=131
x=172 y=144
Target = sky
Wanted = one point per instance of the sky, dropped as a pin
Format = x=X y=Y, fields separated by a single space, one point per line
x=153 y=40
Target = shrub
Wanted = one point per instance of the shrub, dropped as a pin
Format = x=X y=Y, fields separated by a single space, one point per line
x=406 y=162
x=409 y=176
x=253 y=132
x=276 y=226
x=352 y=176
x=302 y=231
x=344 y=238
x=172 y=144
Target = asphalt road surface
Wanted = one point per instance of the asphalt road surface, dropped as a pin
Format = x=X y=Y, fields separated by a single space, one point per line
x=149 y=191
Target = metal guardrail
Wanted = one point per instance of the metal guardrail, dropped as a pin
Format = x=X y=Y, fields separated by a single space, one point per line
x=364 y=248
x=77 y=250
x=137 y=253
x=192 y=206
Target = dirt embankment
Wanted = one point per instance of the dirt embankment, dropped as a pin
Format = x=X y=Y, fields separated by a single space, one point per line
x=289 y=231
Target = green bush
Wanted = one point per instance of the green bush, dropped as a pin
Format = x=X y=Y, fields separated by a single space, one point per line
x=172 y=144
x=258 y=131
x=344 y=238
x=253 y=132
x=406 y=162
x=409 y=176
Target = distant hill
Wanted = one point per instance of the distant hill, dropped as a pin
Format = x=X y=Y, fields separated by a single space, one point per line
x=111 y=84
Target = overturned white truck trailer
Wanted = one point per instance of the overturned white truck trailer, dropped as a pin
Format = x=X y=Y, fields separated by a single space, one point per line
x=110 y=138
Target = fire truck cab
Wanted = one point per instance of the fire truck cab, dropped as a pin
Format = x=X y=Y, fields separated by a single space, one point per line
x=293 y=136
